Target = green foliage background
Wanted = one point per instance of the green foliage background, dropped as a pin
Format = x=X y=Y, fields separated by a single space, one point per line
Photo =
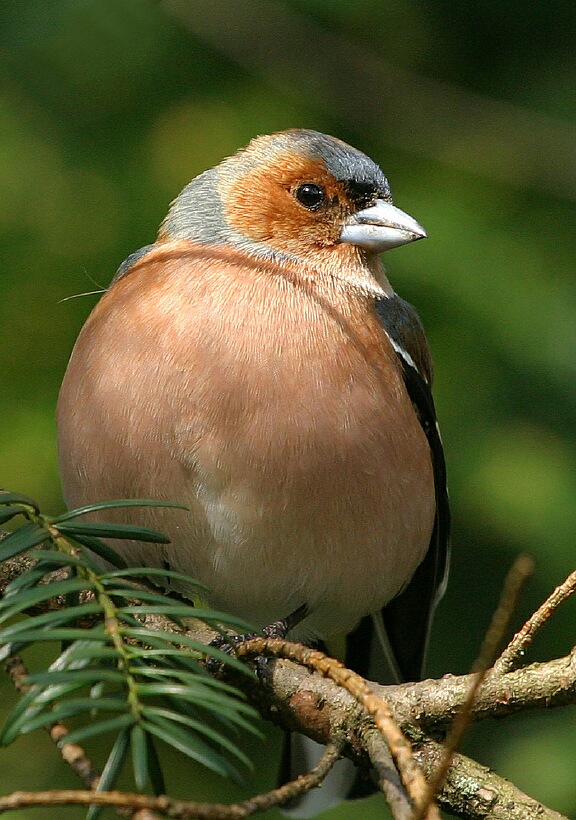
x=108 y=107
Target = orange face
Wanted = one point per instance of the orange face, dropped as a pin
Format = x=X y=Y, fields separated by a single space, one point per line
x=299 y=195
x=294 y=206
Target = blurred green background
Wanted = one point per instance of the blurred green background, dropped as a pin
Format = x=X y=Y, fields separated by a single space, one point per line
x=108 y=107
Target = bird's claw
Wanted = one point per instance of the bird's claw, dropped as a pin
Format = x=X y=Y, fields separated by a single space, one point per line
x=278 y=629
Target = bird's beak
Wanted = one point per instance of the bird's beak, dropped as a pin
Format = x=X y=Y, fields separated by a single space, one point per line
x=380 y=227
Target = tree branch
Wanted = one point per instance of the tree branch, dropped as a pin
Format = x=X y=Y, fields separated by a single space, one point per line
x=291 y=695
x=475 y=792
x=375 y=705
x=513 y=653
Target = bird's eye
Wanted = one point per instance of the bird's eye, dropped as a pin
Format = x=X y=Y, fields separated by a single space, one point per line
x=310 y=195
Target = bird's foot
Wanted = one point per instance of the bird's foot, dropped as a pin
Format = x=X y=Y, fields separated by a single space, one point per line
x=281 y=628
x=278 y=629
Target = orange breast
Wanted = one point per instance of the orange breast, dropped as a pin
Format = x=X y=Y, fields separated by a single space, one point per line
x=272 y=405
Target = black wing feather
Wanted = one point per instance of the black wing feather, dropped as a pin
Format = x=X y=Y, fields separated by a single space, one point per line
x=408 y=617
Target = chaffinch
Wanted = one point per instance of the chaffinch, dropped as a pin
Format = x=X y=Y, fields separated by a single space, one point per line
x=255 y=364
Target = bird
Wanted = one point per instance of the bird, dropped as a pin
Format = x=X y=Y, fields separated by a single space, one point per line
x=255 y=365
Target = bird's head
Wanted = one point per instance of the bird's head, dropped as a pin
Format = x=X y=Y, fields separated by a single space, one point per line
x=298 y=194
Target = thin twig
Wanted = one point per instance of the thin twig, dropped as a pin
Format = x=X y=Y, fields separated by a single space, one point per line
x=118 y=800
x=508 y=660
x=72 y=753
x=387 y=777
x=519 y=572
x=295 y=788
x=376 y=706
x=179 y=809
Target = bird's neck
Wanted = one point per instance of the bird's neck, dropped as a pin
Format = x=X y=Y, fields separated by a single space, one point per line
x=350 y=268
